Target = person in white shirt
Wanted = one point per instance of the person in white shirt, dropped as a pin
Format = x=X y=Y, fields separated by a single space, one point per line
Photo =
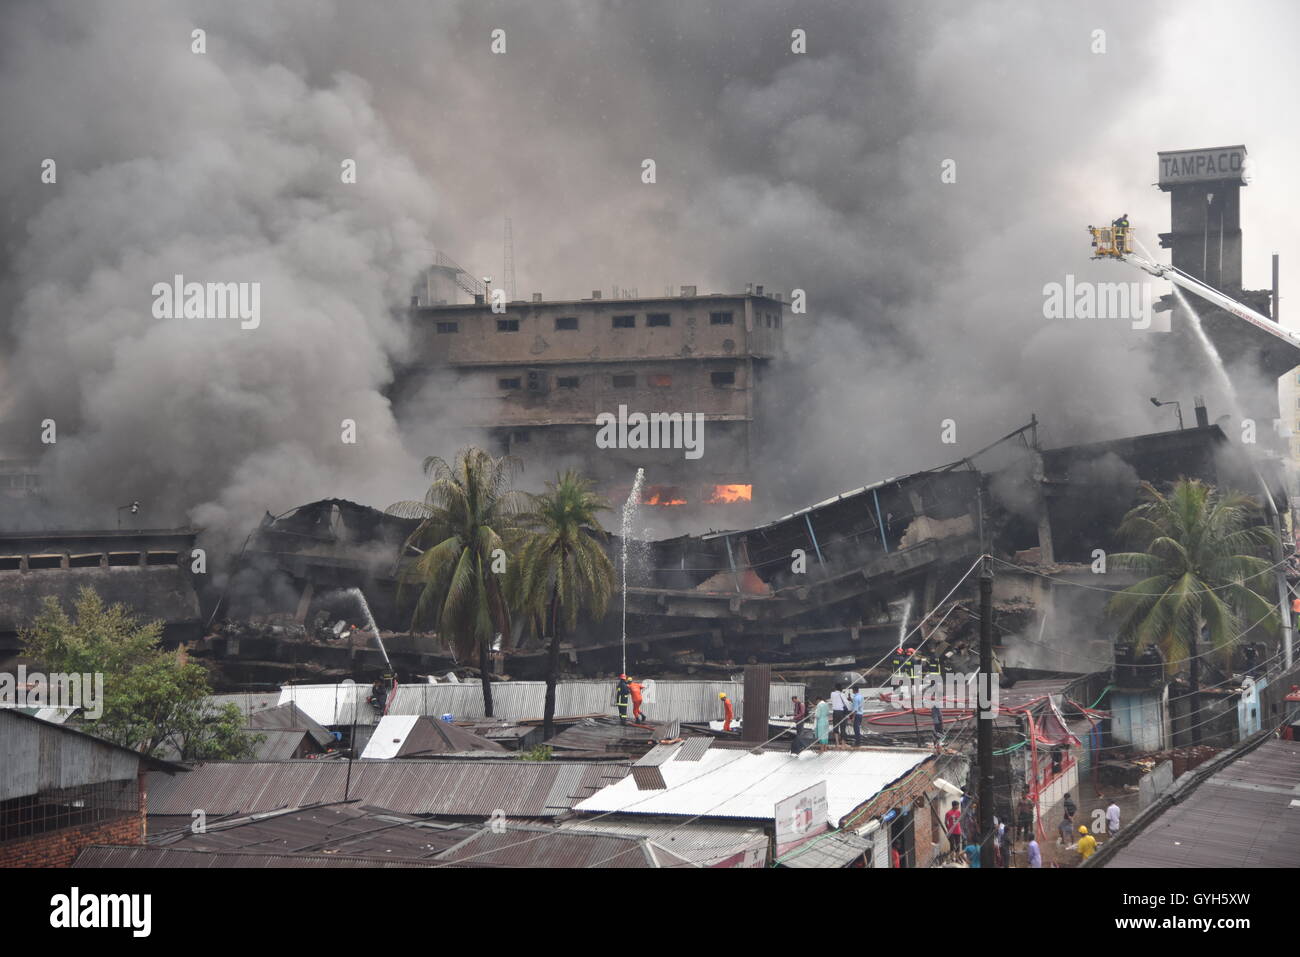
x=1112 y=818
x=839 y=713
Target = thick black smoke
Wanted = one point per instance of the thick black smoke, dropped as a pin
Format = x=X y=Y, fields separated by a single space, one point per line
x=819 y=171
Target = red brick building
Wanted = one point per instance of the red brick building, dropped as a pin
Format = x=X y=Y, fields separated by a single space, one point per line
x=63 y=790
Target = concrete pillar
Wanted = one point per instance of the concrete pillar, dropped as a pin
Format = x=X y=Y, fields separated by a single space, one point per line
x=304 y=602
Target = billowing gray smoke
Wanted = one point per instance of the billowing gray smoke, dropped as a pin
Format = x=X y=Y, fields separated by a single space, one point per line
x=820 y=171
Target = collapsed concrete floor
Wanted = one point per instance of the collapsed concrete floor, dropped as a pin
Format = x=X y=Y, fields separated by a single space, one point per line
x=826 y=590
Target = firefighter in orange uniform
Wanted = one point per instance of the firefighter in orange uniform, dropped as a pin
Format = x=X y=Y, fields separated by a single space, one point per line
x=727 y=713
x=637 y=690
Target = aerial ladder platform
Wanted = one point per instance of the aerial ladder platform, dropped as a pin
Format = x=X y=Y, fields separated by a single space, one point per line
x=1115 y=242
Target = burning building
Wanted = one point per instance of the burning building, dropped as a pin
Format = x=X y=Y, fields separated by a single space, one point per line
x=541 y=377
x=149 y=570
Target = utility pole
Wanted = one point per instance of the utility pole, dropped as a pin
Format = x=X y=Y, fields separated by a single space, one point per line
x=1195 y=695
x=984 y=717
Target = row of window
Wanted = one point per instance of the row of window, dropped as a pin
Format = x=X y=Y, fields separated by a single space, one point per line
x=656 y=380
x=570 y=323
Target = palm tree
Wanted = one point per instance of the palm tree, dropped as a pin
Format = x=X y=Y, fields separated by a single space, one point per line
x=563 y=569
x=468 y=519
x=1203 y=573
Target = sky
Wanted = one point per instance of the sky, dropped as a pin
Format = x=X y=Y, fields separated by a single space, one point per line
x=818 y=170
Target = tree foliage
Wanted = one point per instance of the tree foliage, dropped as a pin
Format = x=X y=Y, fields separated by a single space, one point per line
x=1202 y=566
x=469 y=523
x=562 y=571
x=151 y=696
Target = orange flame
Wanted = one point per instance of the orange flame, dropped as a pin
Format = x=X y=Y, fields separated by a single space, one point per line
x=661 y=495
x=724 y=494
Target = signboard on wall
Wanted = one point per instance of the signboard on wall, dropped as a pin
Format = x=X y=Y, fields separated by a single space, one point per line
x=801 y=816
x=1179 y=167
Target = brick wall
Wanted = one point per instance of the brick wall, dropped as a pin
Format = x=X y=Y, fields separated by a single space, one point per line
x=918 y=785
x=59 y=848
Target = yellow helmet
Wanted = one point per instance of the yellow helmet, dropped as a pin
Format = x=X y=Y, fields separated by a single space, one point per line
x=722 y=694
x=1083 y=829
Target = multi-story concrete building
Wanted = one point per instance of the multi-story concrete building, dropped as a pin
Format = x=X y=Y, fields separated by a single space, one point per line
x=1288 y=391
x=537 y=375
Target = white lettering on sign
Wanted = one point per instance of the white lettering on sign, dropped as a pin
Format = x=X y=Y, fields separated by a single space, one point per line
x=1200 y=166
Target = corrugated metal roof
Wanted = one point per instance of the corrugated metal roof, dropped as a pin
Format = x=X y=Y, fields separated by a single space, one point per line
x=137 y=856
x=51 y=714
x=389 y=735
x=410 y=786
x=407 y=735
x=551 y=847
x=331 y=705
x=694 y=749
x=607 y=734
x=336 y=829
x=278 y=744
x=1247 y=814
x=289 y=717
x=726 y=783
x=833 y=849
x=38 y=756
x=693 y=701
x=248 y=702
x=705 y=843
x=658 y=755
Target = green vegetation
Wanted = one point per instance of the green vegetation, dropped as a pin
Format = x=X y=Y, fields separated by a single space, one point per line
x=152 y=697
x=468 y=520
x=563 y=571
x=1201 y=558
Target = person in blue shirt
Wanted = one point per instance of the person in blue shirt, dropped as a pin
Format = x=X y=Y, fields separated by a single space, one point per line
x=973 y=854
x=859 y=709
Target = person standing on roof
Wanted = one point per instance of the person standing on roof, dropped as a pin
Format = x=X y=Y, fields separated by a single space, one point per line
x=728 y=714
x=859 y=710
x=1087 y=843
x=839 y=713
x=637 y=690
x=800 y=710
x=916 y=664
x=823 y=721
x=622 y=693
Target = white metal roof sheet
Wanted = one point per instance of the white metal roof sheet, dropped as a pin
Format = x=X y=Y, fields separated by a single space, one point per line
x=701 y=842
x=692 y=701
x=389 y=735
x=726 y=783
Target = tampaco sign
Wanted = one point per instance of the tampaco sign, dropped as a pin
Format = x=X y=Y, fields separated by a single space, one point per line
x=1179 y=167
x=801 y=816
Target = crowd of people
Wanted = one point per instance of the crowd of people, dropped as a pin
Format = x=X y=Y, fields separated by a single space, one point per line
x=963 y=848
